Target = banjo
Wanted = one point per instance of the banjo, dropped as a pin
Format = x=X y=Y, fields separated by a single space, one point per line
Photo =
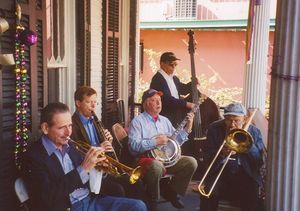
x=170 y=153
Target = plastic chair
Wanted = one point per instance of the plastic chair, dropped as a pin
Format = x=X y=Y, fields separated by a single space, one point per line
x=121 y=146
x=21 y=193
x=119 y=132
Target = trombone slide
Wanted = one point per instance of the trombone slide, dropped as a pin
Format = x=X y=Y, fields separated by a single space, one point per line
x=201 y=186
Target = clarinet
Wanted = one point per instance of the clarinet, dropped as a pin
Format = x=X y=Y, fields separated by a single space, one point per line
x=103 y=137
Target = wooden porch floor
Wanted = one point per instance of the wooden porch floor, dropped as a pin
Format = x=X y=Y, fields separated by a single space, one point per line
x=191 y=202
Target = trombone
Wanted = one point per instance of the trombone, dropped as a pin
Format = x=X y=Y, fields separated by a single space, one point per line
x=114 y=167
x=237 y=140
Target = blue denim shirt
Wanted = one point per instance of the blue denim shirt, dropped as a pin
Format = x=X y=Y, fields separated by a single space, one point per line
x=67 y=166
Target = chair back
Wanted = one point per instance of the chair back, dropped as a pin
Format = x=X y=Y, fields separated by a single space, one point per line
x=121 y=112
x=121 y=137
x=119 y=132
x=21 y=192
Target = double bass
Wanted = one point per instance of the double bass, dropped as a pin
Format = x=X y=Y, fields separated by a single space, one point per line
x=207 y=113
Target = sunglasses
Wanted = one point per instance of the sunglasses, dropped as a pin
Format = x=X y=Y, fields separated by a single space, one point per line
x=172 y=64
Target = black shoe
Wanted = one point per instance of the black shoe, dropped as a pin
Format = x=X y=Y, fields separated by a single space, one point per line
x=177 y=203
x=172 y=197
x=152 y=206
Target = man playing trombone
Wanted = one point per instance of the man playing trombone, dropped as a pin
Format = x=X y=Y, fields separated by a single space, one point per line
x=240 y=180
x=57 y=176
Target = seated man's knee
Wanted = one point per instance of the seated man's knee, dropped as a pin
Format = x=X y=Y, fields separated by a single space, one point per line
x=191 y=162
x=156 y=168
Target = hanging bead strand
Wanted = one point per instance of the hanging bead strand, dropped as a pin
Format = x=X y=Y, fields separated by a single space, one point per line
x=21 y=75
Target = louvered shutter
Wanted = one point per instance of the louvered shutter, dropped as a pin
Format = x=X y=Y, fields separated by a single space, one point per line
x=83 y=39
x=32 y=18
x=41 y=69
x=110 y=53
x=7 y=113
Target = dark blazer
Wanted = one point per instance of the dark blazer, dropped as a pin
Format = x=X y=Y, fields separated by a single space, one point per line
x=250 y=161
x=78 y=131
x=47 y=184
x=174 y=109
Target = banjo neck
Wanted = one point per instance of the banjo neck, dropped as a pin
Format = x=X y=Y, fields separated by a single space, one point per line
x=183 y=123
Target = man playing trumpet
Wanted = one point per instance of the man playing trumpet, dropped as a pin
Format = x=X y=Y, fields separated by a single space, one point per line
x=57 y=175
x=240 y=180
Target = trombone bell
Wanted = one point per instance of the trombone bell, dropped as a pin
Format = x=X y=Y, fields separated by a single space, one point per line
x=239 y=140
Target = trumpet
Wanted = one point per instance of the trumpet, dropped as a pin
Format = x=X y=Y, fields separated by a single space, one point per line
x=237 y=140
x=114 y=167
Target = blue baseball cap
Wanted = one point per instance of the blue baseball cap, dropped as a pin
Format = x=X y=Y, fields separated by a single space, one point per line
x=150 y=93
x=236 y=109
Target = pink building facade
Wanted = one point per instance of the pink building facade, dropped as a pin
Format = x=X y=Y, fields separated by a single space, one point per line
x=219 y=59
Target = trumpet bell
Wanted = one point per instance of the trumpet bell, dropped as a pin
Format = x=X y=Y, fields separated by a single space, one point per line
x=239 y=140
x=135 y=175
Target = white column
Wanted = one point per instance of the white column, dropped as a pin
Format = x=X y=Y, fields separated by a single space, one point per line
x=254 y=91
x=124 y=54
x=67 y=76
x=283 y=179
x=137 y=53
x=96 y=51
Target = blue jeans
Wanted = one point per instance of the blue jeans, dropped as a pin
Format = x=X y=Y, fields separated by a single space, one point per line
x=108 y=203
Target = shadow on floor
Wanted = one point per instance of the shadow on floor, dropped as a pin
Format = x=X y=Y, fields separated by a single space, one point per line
x=191 y=202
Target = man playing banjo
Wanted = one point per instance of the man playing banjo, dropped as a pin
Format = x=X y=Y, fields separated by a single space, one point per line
x=150 y=132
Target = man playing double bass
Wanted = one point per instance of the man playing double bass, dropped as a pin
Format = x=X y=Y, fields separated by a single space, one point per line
x=174 y=108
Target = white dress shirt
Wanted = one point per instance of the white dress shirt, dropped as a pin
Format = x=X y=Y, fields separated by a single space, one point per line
x=170 y=82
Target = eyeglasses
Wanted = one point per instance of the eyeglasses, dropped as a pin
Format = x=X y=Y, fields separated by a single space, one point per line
x=234 y=121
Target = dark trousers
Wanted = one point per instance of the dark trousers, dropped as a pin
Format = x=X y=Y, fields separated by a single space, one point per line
x=236 y=187
x=120 y=187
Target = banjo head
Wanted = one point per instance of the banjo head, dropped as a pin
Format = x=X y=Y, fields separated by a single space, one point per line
x=167 y=154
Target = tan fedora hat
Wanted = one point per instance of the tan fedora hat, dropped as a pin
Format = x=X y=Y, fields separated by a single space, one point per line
x=7 y=59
